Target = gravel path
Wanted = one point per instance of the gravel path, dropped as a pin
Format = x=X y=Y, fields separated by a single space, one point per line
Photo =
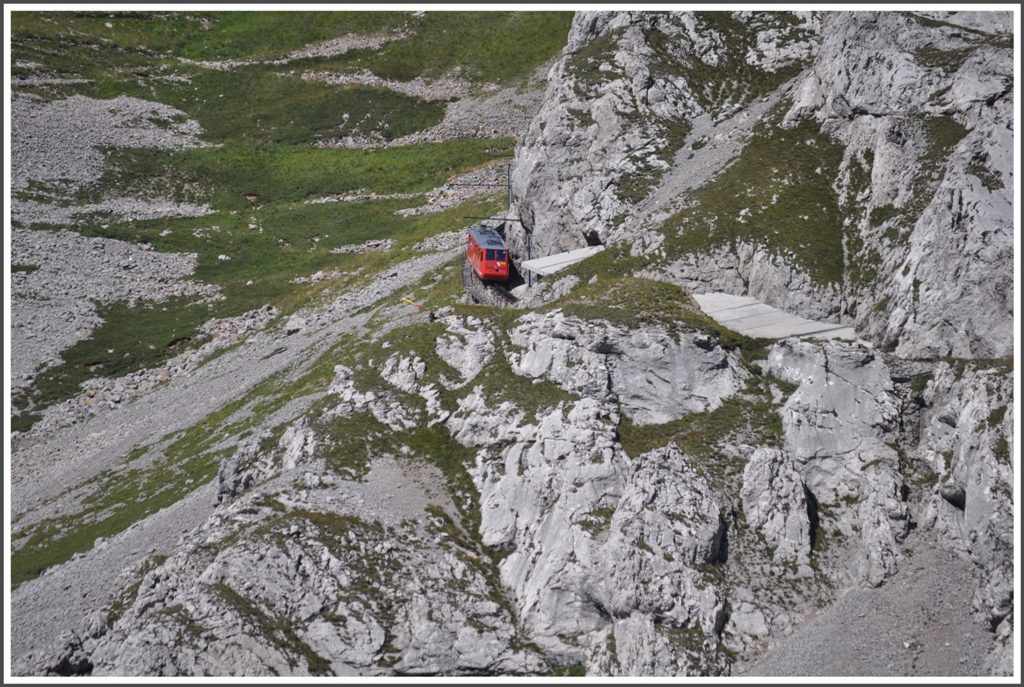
x=920 y=623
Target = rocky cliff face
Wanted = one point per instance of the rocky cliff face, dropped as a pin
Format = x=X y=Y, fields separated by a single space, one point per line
x=899 y=169
x=967 y=434
x=857 y=169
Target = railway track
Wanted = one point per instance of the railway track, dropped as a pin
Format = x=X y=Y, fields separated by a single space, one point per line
x=482 y=292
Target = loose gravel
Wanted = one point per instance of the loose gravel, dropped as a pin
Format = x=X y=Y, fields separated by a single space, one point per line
x=920 y=623
x=60 y=139
x=104 y=394
x=330 y=48
x=53 y=307
x=487 y=111
x=112 y=210
x=483 y=181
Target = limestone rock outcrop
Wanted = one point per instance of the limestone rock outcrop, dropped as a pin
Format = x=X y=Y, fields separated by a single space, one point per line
x=839 y=427
x=967 y=439
x=654 y=376
x=310 y=594
x=774 y=503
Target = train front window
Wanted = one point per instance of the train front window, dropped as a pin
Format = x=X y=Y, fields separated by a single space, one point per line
x=490 y=254
x=501 y=256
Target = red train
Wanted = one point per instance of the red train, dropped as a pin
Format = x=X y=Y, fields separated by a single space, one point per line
x=488 y=254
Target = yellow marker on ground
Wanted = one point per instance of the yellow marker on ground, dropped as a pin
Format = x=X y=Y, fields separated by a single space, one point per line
x=410 y=302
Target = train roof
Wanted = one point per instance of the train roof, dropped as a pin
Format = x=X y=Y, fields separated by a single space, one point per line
x=487 y=238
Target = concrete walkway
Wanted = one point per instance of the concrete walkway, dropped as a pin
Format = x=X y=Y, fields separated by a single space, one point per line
x=753 y=318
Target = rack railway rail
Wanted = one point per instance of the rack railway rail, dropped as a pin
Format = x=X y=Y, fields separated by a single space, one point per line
x=485 y=293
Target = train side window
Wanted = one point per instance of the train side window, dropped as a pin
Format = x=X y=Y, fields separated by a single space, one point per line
x=490 y=254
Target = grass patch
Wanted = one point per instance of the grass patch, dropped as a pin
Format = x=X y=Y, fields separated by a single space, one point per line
x=882 y=214
x=260 y=104
x=690 y=642
x=990 y=179
x=597 y=521
x=349 y=444
x=119 y=500
x=995 y=418
x=670 y=134
x=256 y=105
x=999 y=40
x=224 y=176
x=919 y=383
x=127 y=596
x=279 y=631
x=948 y=61
x=500 y=384
x=585 y=63
x=621 y=298
x=494 y=47
x=750 y=418
x=158 y=332
x=777 y=194
x=24 y=421
x=942 y=134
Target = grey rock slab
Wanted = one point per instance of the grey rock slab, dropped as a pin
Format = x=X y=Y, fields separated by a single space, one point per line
x=839 y=427
x=655 y=377
x=774 y=502
x=971 y=453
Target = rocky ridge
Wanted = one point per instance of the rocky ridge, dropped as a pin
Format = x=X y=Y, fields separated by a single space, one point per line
x=597 y=538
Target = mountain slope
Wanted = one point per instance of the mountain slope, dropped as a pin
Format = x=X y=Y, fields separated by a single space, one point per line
x=599 y=481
